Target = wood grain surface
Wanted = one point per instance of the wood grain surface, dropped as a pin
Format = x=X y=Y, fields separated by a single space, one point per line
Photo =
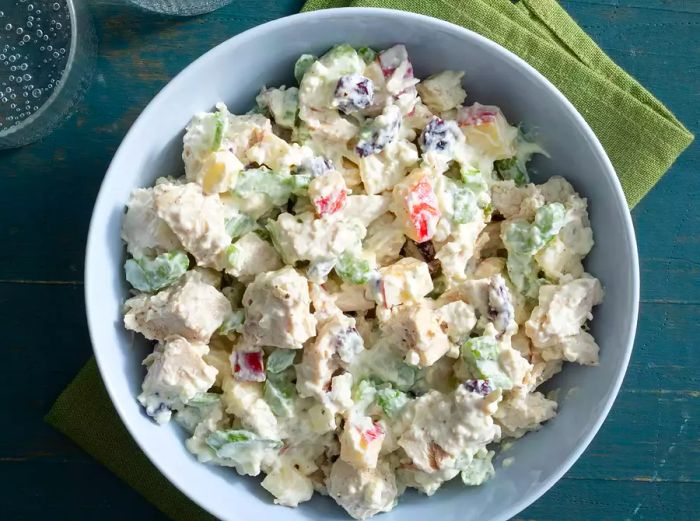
x=643 y=465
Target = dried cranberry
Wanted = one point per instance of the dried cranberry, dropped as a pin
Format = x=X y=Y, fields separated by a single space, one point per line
x=348 y=343
x=439 y=135
x=500 y=311
x=315 y=166
x=379 y=132
x=478 y=386
x=353 y=92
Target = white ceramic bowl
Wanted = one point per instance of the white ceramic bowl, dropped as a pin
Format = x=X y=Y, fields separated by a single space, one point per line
x=233 y=72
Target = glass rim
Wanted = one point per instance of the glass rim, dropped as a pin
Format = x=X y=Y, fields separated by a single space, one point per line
x=70 y=65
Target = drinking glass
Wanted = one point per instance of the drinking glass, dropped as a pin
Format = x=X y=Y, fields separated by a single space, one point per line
x=180 y=7
x=47 y=56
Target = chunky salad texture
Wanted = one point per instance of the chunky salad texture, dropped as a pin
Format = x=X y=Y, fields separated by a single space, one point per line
x=355 y=288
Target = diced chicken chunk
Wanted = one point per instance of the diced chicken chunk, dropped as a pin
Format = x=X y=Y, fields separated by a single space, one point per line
x=362 y=493
x=192 y=309
x=142 y=230
x=446 y=427
x=198 y=220
x=417 y=332
x=365 y=208
x=522 y=412
x=556 y=190
x=380 y=172
x=351 y=297
x=513 y=201
x=473 y=292
x=405 y=281
x=276 y=153
x=277 y=309
x=385 y=238
x=457 y=319
x=251 y=255
x=337 y=342
x=177 y=372
x=302 y=237
x=562 y=310
x=443 y=91
x=457 y=251
x=581 y=348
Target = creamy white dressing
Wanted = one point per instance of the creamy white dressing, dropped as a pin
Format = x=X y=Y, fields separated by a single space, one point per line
x=355 y=289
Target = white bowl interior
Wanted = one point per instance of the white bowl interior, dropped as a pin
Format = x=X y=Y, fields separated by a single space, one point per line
x=234 y=72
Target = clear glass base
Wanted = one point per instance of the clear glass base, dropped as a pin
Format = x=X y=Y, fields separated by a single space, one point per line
x=45 y=67
x=180 y=7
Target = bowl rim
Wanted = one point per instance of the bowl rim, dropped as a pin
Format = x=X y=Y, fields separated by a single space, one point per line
x=91 y=290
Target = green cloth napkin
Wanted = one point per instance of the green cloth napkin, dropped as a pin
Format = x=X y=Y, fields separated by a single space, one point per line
x=639 y=134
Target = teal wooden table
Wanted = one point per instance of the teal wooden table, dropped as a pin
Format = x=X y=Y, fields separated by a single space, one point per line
x=643 y=465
